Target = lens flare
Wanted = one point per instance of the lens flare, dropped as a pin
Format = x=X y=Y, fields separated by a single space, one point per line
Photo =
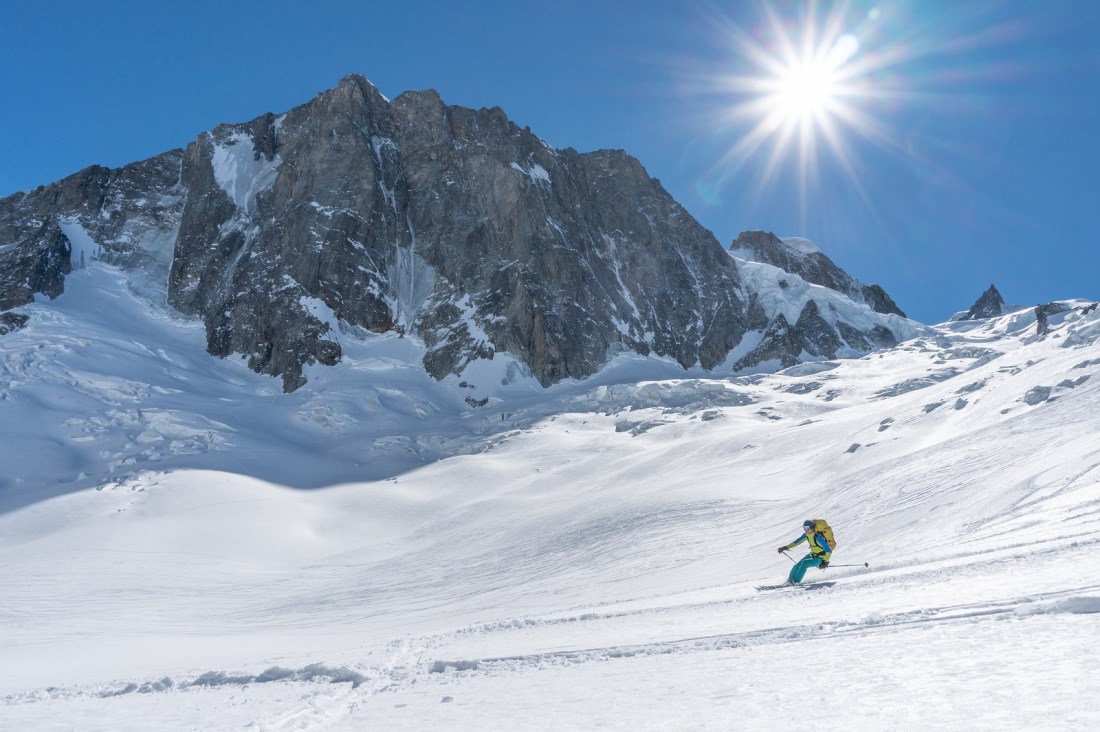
x=796 y=108
x=800 y=87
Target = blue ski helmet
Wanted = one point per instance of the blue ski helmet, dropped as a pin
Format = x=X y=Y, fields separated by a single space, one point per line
x=807 y=524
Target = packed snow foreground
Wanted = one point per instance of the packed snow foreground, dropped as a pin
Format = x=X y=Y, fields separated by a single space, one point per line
x=182 y=546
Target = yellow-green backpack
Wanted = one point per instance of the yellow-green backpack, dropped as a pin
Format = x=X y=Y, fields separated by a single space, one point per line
x=821 y=526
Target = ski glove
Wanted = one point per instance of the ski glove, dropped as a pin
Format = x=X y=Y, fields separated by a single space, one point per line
x=782 y=549
x=823 y=564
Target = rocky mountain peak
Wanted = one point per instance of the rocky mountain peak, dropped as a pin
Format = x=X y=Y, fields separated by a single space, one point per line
x=449 y=225
x=989 y=305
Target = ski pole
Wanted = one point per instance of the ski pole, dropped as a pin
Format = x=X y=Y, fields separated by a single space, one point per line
x=788 y=556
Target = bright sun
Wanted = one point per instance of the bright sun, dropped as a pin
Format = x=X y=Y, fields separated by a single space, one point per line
x=812 y=84
x=800 y=98
x=802 y=86
x=805 y=90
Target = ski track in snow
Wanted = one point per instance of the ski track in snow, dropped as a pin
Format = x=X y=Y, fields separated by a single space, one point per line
x=318 y=708
x=571 y=558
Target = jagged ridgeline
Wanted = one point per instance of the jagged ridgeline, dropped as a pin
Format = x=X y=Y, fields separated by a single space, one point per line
x=447 y=223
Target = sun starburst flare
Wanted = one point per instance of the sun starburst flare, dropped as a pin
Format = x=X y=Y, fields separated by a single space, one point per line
x=804 y=87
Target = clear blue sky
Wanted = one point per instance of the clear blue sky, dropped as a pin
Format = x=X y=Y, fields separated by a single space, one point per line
x=967 y=133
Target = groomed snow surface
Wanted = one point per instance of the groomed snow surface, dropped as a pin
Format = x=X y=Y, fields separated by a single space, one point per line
x=184 y=547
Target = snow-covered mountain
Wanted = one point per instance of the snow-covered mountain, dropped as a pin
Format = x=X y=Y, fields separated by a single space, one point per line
x=813 y=309
x=533 y=444
x=185 y=546
x=800 y=256
x=450 y=225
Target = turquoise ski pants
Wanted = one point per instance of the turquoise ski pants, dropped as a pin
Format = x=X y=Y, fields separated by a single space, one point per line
x=798 y=571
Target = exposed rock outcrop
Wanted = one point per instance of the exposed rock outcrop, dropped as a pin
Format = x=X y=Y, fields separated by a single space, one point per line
x=989 y=305
x=1043 y=313
x=130 y=213
x=812 y=337
x=36 y=262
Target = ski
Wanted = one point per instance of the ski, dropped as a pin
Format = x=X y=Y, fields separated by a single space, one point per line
x=804 y=586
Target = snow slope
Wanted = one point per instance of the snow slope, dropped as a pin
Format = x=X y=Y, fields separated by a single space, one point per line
x=184 y=547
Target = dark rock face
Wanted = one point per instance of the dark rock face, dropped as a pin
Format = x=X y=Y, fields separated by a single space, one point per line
x=989 y=305
x=448 y=224
x=131 y=213
x=812 y=266
x=877 y=299
x=36 y=263
x=812 y=336
x=1043 y=313
x=1042 y=324
x=12 y=321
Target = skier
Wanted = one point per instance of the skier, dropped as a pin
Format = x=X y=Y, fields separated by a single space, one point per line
x=819 y=555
